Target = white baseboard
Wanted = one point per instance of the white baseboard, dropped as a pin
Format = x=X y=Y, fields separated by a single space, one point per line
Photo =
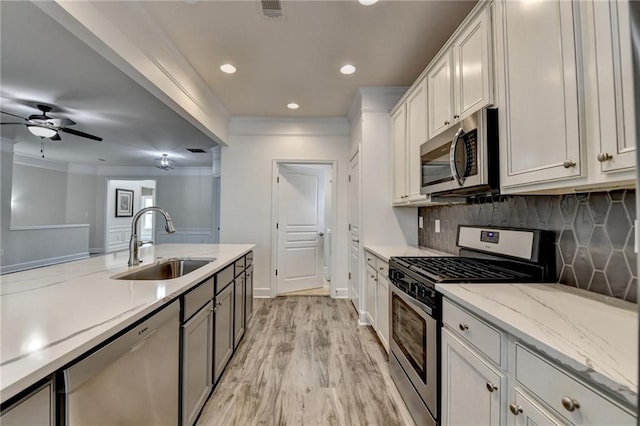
x=340 y=293
x=97 y=250
x=16 y=267
x=363 y=319
x=262 y=293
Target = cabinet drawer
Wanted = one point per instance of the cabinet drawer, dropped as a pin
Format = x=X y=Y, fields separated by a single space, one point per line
x=475 y=331
x=239 y=266
x=196 y=298
x=224 y=277
x=371 y=260
x=557 y=389
x=248 y=259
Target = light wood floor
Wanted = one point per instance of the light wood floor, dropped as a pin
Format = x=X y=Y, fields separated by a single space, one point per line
x=305 y=361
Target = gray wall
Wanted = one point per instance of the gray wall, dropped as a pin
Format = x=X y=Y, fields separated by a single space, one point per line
x=39 y=196
x=189 y=200
x=594 y=233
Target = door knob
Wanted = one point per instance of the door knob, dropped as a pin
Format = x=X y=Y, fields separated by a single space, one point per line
x=568 y=164
x=491 y=387
x=604 y=156
x=463 y=326
x=321 y=234
x=570 y=404
x=515 y=409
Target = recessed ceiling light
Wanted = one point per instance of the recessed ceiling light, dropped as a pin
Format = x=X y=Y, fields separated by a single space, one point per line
x=368 y=2
x=228 y=68
x=293 y=105
x=348 y=69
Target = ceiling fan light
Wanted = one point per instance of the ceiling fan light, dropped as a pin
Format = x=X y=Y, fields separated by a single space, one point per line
x=42 y=131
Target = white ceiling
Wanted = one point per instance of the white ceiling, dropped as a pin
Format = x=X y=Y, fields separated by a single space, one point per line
x=279 y=61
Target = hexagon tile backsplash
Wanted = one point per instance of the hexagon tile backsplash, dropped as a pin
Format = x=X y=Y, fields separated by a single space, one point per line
x=594 y=233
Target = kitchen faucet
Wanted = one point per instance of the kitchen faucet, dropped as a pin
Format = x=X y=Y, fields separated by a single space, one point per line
x=134 y=258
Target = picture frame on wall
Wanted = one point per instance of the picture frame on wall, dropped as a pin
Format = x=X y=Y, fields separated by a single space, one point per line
x=124 y=202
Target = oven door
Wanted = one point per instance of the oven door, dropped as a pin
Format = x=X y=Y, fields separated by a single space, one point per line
x=414 y=343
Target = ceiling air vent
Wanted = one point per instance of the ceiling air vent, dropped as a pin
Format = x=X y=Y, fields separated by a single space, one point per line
x=272 y=9
x=197 y=150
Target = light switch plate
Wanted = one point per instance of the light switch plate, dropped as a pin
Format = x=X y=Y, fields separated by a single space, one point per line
x=420 y=222
x=436 y=224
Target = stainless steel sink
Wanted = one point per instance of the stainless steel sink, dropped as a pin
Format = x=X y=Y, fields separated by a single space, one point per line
x=166 y=269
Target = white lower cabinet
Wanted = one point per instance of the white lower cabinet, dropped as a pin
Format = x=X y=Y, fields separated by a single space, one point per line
x=372 y=284
x=383 y=309
x=377 y=285
x=471 y=388
x=526 y=412
x=527 y=389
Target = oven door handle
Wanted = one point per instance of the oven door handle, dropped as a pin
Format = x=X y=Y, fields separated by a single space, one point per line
x=452 y=157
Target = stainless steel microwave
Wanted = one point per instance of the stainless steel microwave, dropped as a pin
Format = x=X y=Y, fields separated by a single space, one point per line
x=462 y=161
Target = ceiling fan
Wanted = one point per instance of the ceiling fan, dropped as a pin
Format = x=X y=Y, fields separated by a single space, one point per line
x=43 y=126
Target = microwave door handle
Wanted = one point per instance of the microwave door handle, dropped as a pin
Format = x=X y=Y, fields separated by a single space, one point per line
x=452 y=157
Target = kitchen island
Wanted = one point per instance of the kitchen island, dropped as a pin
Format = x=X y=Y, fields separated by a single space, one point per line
x=50 y=316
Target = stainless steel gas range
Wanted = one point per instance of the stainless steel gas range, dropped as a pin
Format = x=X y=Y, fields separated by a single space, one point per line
x=487 y=255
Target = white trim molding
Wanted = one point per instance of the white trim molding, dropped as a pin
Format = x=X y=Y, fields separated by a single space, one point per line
x=277 y=126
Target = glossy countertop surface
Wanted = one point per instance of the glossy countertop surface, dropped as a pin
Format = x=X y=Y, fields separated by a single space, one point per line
x=594 y=336
x=51 y=315
x=386 y=252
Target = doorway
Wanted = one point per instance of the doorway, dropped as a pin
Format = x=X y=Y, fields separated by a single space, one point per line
x=303 y=218
x=117 y=226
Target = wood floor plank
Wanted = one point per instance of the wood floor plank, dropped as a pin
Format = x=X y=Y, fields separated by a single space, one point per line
x=305 y=361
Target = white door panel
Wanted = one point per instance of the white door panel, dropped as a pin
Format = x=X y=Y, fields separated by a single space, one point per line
x=299 y=223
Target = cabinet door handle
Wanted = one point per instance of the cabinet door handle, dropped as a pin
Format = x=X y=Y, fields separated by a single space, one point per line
x=382 y=269
x=491 y=387
x=515 y=409
x=568 y=164
x=446 y=123
x=456 y=116
x=463 y=326
x=604 y=156
x=570 y=404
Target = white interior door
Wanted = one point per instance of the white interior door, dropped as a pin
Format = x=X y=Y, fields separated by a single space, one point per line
x=300 y=223
x=354 y=230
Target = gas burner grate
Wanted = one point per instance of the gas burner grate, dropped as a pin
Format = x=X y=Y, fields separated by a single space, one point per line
x=463 y=269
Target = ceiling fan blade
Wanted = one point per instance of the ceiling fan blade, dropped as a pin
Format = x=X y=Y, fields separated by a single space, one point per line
x=13 y=115
x=81 y=134
x=56 y=137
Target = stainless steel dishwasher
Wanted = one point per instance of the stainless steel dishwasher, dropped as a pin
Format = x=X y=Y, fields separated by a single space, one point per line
x=132 y=380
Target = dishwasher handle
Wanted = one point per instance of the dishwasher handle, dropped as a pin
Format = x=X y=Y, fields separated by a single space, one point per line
x=131 y=341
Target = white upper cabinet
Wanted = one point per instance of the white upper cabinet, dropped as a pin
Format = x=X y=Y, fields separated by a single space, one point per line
x=460 y=80
x=539 y=114
x=399 y=131
x=440 y=95
x=409 y=122
x=471 y=53
x=416 y=136
x=615 y=91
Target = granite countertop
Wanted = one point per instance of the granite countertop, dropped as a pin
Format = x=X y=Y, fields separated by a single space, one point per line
x=594 y=336
x=51 y=315
x=386 y=252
